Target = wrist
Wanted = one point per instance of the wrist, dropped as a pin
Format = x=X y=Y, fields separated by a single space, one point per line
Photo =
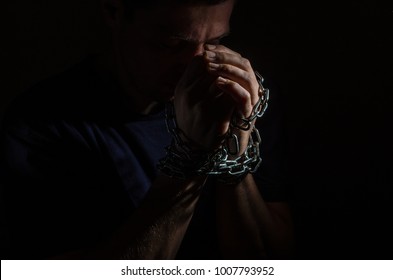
x=237 y=155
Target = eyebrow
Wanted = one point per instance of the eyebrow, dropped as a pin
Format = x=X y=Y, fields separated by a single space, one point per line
x=190 y=40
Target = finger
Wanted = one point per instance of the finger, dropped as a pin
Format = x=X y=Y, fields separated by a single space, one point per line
x=228 y=58
x=239 y=95
x=220 y=48
x=245 y=79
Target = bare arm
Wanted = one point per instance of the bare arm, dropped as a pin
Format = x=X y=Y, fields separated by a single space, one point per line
x=250 y=228
x=156 y=229
x=247 y=226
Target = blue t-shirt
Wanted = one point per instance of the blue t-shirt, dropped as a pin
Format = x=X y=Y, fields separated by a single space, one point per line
x=75 y=163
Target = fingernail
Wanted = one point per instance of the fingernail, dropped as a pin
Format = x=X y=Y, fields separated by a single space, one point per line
x=221 y=80
x=210 y=47
x=214 y=66
x=210 y=55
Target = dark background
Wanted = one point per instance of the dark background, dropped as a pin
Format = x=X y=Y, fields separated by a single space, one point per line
x=332 y=67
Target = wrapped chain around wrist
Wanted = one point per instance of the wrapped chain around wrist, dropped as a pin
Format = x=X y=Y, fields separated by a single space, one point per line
x=258 y=109
x=182 y=161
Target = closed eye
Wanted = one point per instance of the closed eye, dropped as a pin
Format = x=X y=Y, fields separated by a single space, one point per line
x=171 y=42
x=177 y=42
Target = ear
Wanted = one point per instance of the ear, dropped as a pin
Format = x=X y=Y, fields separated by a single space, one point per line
x=113 y=12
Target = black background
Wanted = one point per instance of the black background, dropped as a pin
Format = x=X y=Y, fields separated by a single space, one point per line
x=332 y=66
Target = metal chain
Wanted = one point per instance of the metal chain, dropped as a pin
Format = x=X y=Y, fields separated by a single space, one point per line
x=182 y=161
x=231 y=171
x=258 y=109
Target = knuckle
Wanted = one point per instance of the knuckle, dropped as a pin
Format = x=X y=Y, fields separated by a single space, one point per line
x=231 y=84
x=246 y=62
x=247 y=77
x=226 y=68
x=220 y=55
x=245 y=98
x=243 y=95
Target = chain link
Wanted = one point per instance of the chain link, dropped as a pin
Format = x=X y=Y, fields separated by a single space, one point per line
x=182 y=161
x=258 y=109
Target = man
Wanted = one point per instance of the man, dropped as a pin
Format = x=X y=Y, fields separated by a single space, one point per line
x=90 y=170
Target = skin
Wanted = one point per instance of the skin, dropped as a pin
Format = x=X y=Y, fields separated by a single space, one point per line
x=152 y=50
x=173 y=52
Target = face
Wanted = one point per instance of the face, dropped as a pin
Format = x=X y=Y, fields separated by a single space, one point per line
x=156 y=45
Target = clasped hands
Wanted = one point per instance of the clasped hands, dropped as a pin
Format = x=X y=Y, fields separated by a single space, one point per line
x=216 y=85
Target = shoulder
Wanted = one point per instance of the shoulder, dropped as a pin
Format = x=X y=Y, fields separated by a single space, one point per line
x=71 y=94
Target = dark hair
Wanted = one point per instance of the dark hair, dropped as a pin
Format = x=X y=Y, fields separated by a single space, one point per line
x=131 y=5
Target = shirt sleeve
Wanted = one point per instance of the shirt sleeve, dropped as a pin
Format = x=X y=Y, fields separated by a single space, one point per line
x=57 y=198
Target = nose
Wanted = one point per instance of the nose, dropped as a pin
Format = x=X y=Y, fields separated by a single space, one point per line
x=190 y=52
x=199 y=49
x=186 y=55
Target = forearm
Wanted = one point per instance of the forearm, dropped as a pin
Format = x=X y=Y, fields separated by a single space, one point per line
x=248 y=227
x=156 y=229
x=162 y=220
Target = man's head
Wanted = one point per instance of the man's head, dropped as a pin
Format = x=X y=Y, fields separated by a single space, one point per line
x=131 y=5
x=154 y=40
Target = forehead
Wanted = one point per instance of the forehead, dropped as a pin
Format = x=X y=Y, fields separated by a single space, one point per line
x=196 y=22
